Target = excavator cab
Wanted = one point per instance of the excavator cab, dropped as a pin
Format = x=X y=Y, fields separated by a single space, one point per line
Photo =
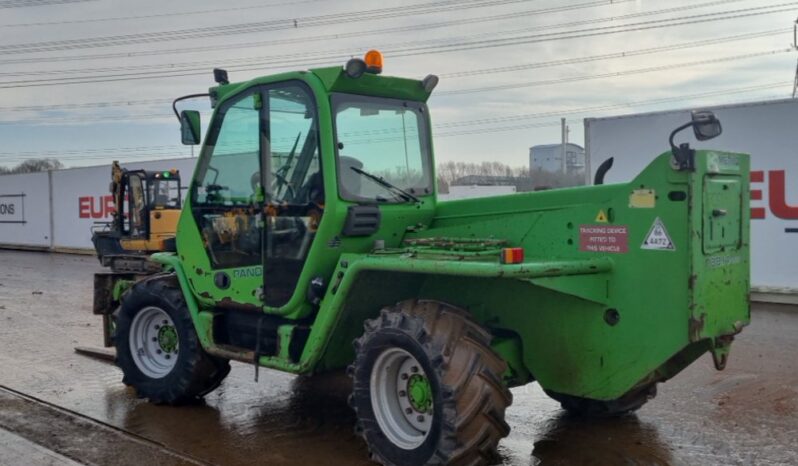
x=147 y=208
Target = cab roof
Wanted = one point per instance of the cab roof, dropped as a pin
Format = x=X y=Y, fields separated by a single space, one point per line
x=335 y=79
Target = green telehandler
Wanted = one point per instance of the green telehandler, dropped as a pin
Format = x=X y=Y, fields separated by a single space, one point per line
x=312 y=240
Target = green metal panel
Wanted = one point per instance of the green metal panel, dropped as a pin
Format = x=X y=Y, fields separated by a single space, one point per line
x=720 y=263
x=622 y=284
x=722 y=213
x=335 y=80
x=561 y=319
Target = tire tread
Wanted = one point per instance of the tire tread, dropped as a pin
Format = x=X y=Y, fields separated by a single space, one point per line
x=198 y=372
x=470 y=373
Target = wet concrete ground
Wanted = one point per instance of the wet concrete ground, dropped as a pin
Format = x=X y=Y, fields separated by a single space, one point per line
x=747 y=414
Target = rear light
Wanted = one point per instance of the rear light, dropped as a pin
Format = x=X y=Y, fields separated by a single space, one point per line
x=512 y=255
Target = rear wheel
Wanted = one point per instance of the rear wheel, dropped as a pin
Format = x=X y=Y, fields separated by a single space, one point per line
x=427 y=387
x=586 y=407
x=157 y=347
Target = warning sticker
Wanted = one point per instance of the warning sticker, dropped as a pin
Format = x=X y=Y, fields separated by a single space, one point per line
x=604 y=238
x=658 y=238
x=601 y=217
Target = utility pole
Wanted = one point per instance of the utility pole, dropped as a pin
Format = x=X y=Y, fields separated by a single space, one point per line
x=795 y=46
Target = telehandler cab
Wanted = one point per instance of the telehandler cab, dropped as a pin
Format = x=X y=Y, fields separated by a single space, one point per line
x=312 y=240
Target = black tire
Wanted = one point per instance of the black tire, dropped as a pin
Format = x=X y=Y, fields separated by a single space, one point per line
x=585 y=407
x=195 y=372
x=464 y=374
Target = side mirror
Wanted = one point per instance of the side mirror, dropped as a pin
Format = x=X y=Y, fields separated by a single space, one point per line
x=190 y=127
x=705 y=125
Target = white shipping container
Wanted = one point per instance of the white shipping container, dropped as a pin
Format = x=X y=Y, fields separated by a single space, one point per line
x=768 y=131
x=80 y=198
x=25 y=210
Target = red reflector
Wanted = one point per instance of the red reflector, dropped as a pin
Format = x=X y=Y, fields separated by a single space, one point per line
x=512 y=255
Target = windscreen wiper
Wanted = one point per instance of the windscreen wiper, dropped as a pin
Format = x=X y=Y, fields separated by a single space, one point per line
x=386 y=184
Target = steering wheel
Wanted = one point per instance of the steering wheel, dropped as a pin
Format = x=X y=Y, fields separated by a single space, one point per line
x=215 y=188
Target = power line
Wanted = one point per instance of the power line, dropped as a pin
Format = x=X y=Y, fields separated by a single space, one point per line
x=590 y=32
x=452 y=75
x=600 y=31
x=28 y=3
x=99 y=119
x=159 y=15
x=251 y=27
x=616 y=73
x=416 y=27
x=479 y=126
x=214 y=47
x=56 y=152
x=182 y=154
x=600 y=108
x=615 y=55
x=525 y=126
x=85 y=105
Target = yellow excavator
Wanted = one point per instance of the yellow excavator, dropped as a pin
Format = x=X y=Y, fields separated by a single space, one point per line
x=147 y=207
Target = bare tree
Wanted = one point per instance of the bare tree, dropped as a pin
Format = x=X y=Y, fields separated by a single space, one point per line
x=33 y=166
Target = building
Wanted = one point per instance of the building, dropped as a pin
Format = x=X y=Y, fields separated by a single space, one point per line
x=548 y=157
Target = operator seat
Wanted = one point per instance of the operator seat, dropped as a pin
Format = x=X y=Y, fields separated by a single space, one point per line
x=313 y=190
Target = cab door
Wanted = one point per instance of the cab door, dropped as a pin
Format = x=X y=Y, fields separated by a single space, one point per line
x=257 y=193
x=226 y=200
x=294 y=189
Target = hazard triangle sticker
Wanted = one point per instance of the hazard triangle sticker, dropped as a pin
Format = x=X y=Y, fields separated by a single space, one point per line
x=658 y=238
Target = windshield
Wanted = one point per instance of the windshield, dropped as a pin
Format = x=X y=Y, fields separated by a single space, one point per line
x=164 y=193
x=386 y=138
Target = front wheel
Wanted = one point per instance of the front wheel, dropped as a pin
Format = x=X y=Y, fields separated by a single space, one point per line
x=158 y=349
x=427 y=387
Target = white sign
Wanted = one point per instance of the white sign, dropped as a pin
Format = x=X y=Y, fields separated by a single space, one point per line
x=658 y=238
x=12 y=208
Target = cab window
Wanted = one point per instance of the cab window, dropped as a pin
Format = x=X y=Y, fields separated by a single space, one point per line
x=235 y=157
x=226 y=193
x=135 y=200
x=260 y=169
x=381 y=138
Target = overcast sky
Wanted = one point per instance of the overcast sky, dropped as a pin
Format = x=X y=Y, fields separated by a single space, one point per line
x=621 y=56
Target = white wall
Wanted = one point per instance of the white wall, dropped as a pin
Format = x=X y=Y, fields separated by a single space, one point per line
x=25 y=210
x=80 y=198
x=766 y=130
